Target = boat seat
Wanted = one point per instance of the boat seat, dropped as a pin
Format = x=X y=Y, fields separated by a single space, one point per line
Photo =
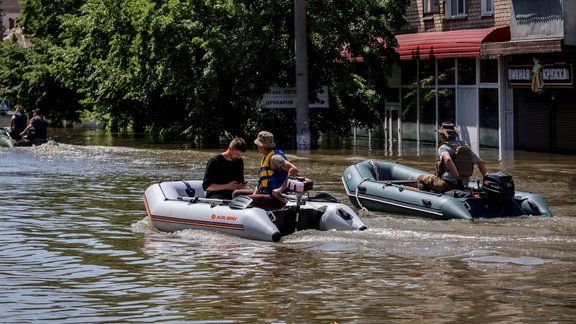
x=241 y=202
x=175 y=189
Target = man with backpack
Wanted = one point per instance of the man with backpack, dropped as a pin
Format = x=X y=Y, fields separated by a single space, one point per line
x=455 y=165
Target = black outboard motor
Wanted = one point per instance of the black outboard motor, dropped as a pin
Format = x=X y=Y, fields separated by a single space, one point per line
x=498 y=185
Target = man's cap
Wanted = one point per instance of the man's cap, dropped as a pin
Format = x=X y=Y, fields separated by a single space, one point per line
x=265 y=139
x=447 y=125
x=447 y=130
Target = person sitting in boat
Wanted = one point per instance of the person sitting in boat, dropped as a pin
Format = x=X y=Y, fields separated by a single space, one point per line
x=17 y=122
x=455 y=165
x=274 y=171
x=225 y=171
x=37 y=129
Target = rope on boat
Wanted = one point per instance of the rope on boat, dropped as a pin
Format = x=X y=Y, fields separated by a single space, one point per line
x=358 y=199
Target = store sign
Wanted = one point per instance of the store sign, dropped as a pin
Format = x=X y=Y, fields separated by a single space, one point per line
x=285 y=97
x=550 y=75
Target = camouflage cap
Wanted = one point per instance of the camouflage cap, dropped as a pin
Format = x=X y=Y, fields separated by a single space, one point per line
x=265 y=139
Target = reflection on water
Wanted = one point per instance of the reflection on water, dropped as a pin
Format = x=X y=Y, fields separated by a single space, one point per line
x=75 y=247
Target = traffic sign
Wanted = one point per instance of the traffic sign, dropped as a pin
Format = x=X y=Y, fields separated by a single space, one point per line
x=285 y=97
x=4 y=105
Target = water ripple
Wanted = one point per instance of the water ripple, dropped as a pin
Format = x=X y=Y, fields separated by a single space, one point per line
x=76 y=247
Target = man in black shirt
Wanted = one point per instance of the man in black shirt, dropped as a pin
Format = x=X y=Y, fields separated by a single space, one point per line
x=18 y=122
x=225 y=171
x=37 y=128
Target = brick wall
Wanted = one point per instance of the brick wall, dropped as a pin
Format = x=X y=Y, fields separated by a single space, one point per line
x=419 y=23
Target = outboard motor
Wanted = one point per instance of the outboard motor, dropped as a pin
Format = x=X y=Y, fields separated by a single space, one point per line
x=498 y=185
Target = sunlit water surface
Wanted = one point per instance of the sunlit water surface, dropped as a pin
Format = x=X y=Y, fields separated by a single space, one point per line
x=75 y=247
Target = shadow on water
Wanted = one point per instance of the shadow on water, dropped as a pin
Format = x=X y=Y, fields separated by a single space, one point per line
x=76 y=246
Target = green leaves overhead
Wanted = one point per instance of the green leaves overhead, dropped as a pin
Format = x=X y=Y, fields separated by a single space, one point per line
x=200 y=66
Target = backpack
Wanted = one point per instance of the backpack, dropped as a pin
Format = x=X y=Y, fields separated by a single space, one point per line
x=462 y=159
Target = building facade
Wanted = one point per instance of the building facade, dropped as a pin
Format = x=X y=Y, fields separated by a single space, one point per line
x=9 y=13
x=471 y=62
x=539 y=75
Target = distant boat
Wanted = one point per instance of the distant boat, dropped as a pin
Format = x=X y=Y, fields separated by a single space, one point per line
x=7 y=141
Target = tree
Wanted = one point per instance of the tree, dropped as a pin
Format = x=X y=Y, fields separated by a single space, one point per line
x=198 y=67
x=33 y=79
x=43 y=18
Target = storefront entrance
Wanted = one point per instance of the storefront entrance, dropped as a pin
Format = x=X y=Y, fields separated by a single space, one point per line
x=545 y=122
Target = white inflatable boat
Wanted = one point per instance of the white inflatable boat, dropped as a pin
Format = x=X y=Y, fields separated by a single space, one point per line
x=177 y=205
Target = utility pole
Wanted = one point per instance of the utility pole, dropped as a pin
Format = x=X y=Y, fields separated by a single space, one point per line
x=302 y=105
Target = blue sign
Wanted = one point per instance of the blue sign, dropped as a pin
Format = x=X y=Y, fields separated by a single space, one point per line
x=4 y=105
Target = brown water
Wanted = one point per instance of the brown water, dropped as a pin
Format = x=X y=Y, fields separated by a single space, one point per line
x=75 y=247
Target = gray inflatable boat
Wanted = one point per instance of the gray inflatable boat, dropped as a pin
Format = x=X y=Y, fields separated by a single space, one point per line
x=392 y=187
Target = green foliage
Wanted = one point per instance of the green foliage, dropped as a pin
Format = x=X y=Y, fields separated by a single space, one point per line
x=43 y=18
x=33 y=79
x=198 y=67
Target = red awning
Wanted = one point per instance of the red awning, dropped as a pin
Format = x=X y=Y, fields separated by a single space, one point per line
x=456 y=43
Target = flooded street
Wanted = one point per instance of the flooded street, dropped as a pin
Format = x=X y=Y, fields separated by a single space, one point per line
x=75 y=246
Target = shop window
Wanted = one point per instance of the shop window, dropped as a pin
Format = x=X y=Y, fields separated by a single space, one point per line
x=488 y=71
x=466 y=71
x=446 y=70
x=446 y=108
x=455 y=8
x=427 y=73
x=409 y=113
x=487 y=7
x=430 y=7
x=408 y=71
x=488 y=114
x=428 y=103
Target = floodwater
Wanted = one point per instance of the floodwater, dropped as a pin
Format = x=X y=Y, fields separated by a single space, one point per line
x=75 y=247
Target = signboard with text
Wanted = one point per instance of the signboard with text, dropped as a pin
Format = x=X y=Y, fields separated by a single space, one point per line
x=285 y=97
x=553 y=75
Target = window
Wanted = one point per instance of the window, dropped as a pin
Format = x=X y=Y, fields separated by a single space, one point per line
x=488 y=115
x=487 y=7
x=446 y=71
x=489 y=71
x=466 y=71
x=430 y=7
x=455 y=8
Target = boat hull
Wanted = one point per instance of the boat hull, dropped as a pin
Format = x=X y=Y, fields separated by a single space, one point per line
x=177 y=205
x=5 y=139
x=391 y=187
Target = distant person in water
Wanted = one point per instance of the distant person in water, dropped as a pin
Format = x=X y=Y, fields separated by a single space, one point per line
x=37 y=129
x=225 y=171
x=18 y=122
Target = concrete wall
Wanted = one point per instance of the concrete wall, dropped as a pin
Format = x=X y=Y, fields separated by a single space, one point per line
x=531 y=19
